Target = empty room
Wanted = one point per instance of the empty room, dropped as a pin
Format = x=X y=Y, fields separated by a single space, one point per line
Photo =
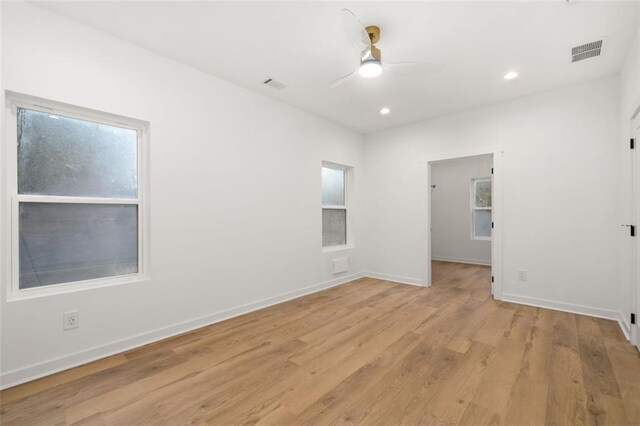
x=318 y=213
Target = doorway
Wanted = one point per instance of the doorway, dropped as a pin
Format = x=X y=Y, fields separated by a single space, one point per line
x=464 y=204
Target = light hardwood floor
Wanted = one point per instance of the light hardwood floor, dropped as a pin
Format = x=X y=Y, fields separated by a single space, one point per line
x=367 y=352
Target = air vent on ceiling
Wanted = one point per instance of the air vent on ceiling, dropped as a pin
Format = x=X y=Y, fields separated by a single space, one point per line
x=588 y=50
x=274 y=83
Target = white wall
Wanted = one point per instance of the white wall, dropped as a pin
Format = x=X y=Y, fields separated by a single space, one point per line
x=235 y=194
x=235 y=211
x=451 y=210
x=629 y=101
x=559 y=203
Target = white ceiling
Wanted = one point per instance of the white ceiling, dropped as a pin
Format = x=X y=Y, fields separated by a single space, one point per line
x=304 y=46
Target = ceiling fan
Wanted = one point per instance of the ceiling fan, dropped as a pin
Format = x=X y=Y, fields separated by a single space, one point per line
x=371 y=64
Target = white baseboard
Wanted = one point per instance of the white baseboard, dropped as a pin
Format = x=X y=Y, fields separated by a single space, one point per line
x=36 y=371
x=461 y=260
x=395 y=278
x=626 y=330
x=569 y=307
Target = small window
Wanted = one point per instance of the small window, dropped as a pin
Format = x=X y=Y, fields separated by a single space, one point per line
x=76 y=197
x=334 y=206
x=481 y=209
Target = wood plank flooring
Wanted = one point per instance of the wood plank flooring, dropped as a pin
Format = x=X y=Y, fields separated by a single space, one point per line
x=369 y=352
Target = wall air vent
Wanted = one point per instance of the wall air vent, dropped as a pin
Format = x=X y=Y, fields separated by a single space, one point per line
x=588 y=50
x=274 y=83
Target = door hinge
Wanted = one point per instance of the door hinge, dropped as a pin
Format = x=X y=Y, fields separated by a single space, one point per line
x=492 y=170
x=632 y=230
x=632 y=143
x=492 y=278
x=491 y=225
x=633 y=318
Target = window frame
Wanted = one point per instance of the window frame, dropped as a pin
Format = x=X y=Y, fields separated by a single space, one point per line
x=12 y=198
x=347 y=232
x=474 y=208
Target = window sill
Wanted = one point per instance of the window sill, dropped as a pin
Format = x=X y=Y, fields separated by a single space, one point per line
x=65 y=288
x=481 y=238
x=337 y=248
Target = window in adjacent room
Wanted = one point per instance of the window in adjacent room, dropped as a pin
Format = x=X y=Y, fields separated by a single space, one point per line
x=334 y=205
x=481 y=209
x=76 y=198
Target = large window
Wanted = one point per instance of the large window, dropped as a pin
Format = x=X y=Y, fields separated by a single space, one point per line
x=481 y=209
x=76 y=192
x=334 y=205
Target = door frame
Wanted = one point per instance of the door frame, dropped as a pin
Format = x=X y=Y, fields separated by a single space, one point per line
x=496 y=198
x=634 y=330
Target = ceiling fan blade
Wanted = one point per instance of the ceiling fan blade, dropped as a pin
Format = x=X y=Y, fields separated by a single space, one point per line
x=412 y=69
x=339 y=81
x=355 y=30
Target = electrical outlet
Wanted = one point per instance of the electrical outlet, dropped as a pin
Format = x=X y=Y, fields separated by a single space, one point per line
x=70 y=320
x=522 y=275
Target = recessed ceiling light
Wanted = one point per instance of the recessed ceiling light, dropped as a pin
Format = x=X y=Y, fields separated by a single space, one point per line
x=510 y=75
x=385 y=111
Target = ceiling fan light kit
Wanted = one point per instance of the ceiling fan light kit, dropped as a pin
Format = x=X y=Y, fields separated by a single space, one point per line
x=371 y=64
x=511 y=75
x=370 y=69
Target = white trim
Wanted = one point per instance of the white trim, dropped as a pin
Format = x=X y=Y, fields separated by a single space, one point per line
x=10 y=194
x=332 y=249
x=624 y=326
x=529 y=301
x=634 y=330
x=14 y=99
x=74 y=200
x=335 y=166
x=396 y=278
x=563 y=306
x=636 y=111
x=571 y=308
x=75 y=286
x=460 y=260
x=35 y=371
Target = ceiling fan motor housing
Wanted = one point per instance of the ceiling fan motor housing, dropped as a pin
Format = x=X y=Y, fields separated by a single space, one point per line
x=374 y=35
x=376 y=54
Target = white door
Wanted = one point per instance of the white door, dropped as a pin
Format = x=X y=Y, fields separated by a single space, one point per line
x=628 y=243
x=635 y=249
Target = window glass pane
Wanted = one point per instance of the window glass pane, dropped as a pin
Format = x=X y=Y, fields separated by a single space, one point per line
x=332 y=187
x=70 y=157
x=482 y=223
x=483 y=193
x=62 y=243
x=334 y=227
